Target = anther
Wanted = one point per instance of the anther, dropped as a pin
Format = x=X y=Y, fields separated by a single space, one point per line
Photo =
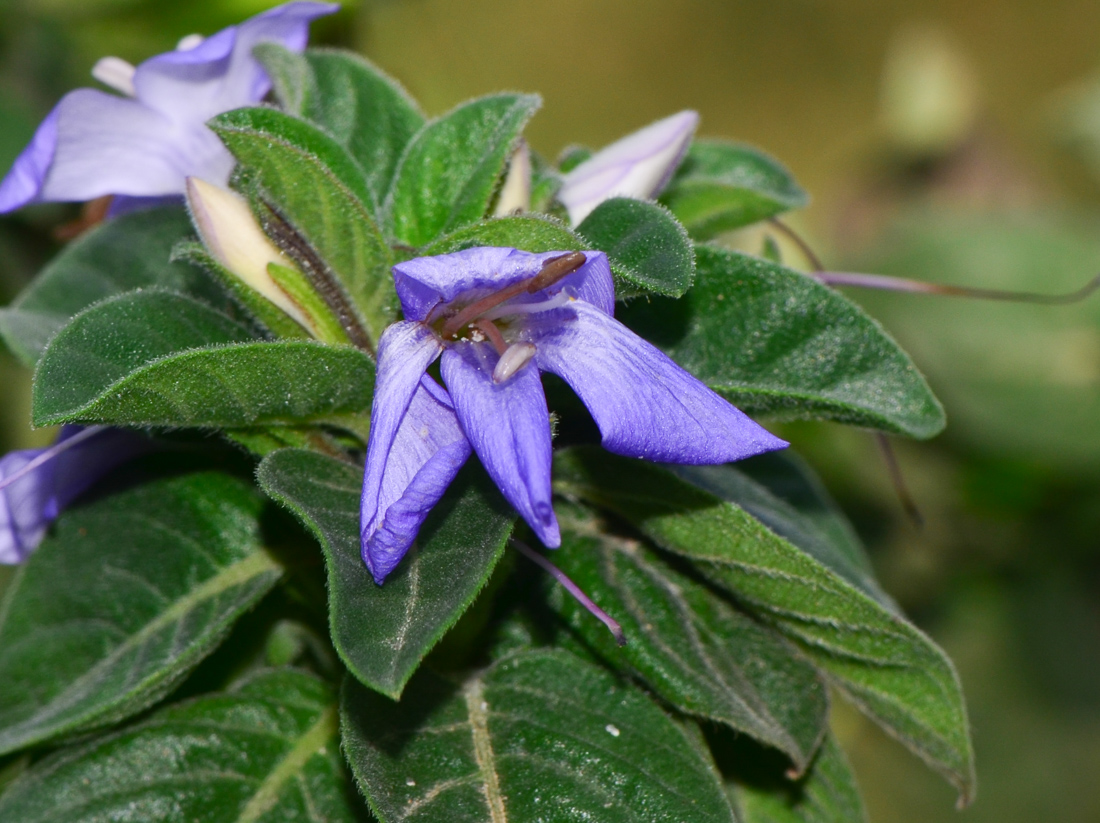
x=515 y=357
x=555 y=269
x=552 y=271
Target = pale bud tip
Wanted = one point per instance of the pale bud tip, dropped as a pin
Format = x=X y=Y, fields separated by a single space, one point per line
x=233 y=236
x=115 y=73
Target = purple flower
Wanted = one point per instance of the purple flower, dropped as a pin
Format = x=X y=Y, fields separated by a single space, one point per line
x=36 y=484
x=639 y=165
x=498 y=317
x=146 y=143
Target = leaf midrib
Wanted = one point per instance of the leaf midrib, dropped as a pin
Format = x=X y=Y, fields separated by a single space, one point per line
x=240 y=572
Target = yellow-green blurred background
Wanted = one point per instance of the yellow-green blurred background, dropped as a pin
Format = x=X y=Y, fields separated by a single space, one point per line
x=948 y=141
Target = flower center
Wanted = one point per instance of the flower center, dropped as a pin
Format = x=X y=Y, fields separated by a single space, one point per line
x=480 y=314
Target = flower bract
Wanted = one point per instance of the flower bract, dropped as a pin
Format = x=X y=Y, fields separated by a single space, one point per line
x=496 y=318
x=145 y=143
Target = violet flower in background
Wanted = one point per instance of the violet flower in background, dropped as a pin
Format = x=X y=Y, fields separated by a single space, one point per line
x=36 y=484
x=144 y=144
x=498 y=317
x=639 y=165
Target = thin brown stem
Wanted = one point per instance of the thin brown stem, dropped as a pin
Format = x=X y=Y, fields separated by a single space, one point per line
x=803 y=246
x=893 y=468
x=904 y=284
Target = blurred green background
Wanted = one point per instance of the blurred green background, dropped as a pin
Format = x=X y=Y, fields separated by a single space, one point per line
x=953 y=142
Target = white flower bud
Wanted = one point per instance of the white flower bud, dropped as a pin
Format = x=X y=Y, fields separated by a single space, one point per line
x=234 y=237
x=515 y=194
x=639 y=165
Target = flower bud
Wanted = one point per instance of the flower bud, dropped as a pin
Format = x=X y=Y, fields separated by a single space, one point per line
x=639 y=166
x=515 y=193
x=233 y=236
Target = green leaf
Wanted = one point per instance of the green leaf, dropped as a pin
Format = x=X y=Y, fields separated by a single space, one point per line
x=451 y=169
x=651 y=249
x=772 y=340
x=383 y=632
x=526 y=232
x=125 y=253
x=321 y=193
x=779 y=491
x=891 y=670
x=128 y=595
x=268 y=751
x=826 y=794
x=538 y=736
x=366 y=110
x=722 y=186
x=689 y=645
x=155 y=358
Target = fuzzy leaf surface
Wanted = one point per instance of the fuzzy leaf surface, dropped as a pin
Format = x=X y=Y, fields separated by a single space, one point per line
x=125 y=253
x=156 y=358
x=772 y=340
x=313 y=184
x=353 y=100
x=538 y=736
x=888 y=667
x=267 y=751
x=124 y=599
x=650 y=247
x=450 y=171
x=384 y=632
x=690 y=645
x=722 y=186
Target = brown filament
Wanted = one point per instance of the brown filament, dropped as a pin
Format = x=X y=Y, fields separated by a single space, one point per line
x=551 y=272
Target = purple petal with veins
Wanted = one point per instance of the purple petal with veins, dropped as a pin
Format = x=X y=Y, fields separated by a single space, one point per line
x=500 y=316
x=94 y=143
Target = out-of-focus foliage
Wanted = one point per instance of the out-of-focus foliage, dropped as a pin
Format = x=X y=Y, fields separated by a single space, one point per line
x=1006 y=574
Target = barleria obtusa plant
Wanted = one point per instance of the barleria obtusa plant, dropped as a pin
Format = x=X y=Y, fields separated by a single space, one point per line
x=325 y=360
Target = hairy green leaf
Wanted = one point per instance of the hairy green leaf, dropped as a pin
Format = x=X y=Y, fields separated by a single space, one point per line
x=652 y=250
x=127 y=252
x=689 y=645
x=383 y=632
x=156 y=358
x=451 y=169
x=316 y=191
x=128 y=595
x=891 y=670
x=772 y=340
x=722 y=186
x=265 y=751
x=366 y=110
x=538 y=736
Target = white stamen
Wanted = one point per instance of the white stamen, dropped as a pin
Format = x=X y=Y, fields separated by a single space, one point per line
x=116 y=73
x=515 y=357
x=560 y=299
x=191 y=41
